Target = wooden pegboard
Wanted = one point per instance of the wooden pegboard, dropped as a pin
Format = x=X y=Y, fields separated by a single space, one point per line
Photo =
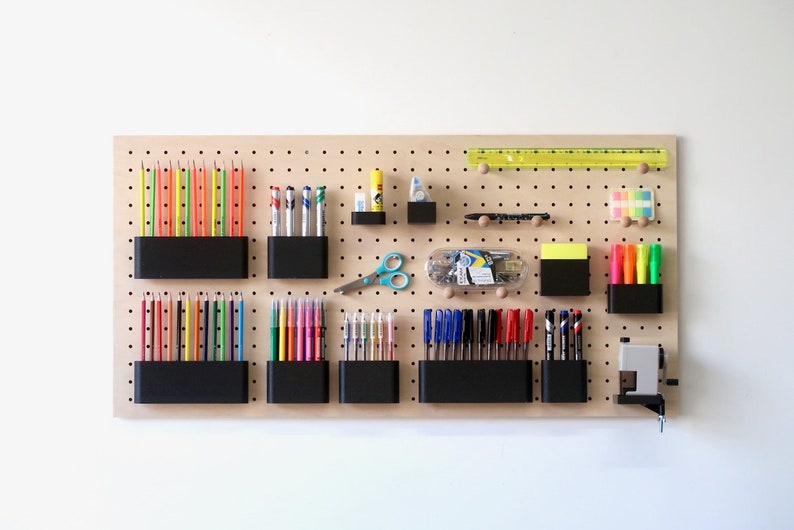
x=576 y=199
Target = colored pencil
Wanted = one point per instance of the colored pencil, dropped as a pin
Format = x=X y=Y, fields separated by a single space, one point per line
x=214 y=205
x=242 y=188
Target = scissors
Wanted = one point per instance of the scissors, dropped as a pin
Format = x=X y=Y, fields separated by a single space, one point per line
x=390 y=267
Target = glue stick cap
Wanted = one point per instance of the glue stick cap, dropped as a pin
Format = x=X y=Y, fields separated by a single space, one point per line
x=418 y=193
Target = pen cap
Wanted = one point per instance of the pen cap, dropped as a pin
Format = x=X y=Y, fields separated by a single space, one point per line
x=457 y=325
x=439 y=324
x=529 y=323
x=428 y=331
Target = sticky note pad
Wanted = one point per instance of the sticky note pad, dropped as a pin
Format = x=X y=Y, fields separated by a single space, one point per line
x=563 y=251
x=633 y=203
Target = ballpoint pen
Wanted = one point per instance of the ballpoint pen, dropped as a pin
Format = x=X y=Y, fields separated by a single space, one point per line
x=564 y=335
x=550 y=334
x=447 y=333
x=457 y=330
x=438 y=331
x=346 y=335
x=511 y=335
x=498 y=339
x=468 y=333
x=481 y=332
x=308 y=331
x=491 y=334
x=529 y=323
x=354 y=335
x=427 y=331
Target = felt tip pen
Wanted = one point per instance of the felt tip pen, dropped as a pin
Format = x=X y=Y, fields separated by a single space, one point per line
x=642 y=263
x=282 y=330
x=550 y=334
x=306 y=211
x=577 y=335
x=274 y=330
x=428 y=332
x=655 y=262
x=290 y=330
x=300 y=325
x=616 y=264
x=564 y=335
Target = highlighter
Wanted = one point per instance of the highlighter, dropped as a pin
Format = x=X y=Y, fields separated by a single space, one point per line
x=376 y=190
x=616 y=264
x=628 y=264
x=642 y=263
x=655 y=262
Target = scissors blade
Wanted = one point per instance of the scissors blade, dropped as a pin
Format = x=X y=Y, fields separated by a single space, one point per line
x=364 y=281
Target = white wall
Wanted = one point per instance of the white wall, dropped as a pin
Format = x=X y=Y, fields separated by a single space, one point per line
x=716 y=73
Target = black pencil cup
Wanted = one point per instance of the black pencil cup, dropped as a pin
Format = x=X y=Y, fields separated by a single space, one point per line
x=297 y=257
x=564 y=277
x=634 y=298
x=563 y=381
x=421 y=213
x=368 y=218
x=297 y=382
x=369 y=381
x=191 y=382
x=191 y=257
x=475 y=381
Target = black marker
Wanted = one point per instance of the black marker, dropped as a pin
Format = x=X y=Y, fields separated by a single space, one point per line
x=564 y=335
x=550 y=334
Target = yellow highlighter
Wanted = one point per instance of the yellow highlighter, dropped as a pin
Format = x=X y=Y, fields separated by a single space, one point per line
x=642 y=263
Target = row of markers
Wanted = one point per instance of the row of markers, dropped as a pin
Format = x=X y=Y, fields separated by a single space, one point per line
x=463 y=335
x=194 y=330
x=297 y=329
x=180 y=202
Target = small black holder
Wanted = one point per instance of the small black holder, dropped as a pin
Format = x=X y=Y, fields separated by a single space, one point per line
x=191 y=257
x=475 y=381
x=369 y=381
x=564 y=277
x=191 y=382
x=563 y=381
x=634 y=298
x=297 y=257
x=421 y=213
x=297 y=381
x=368 y=218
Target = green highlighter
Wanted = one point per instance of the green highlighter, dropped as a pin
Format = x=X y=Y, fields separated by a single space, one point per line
x=655 y=262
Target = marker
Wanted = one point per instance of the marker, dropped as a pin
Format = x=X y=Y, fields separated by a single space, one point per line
x=577 y=335
x=439 y=329
x=306 y=211
x=642 y=263
x=376 y=190
x=564 y=346
x=300 y=333
x=308 y=330
x=428 y=332
x=655 y=262
x=319 y=203
x=616 y=264
x=282 y=329
x=550 y=334
x=289 y=211
x=275 y=211
x=529 y=323
x=628 y=264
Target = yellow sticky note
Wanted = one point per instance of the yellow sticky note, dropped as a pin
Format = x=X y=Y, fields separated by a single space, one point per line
x=563 y=251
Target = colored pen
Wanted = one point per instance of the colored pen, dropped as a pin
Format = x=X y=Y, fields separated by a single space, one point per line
x=373 y=337
x=529 y=318
x=300 y=331
x=628 y=264
x=282 y=330
x=427 y=331
x=320 y=210
x=215 y=327
x=308 y=332
x=498 y=335
x=447 y=333
x=642 y=263
x=511 y=334
x=319 y=330
x=468 y=333
x=616 y=264
x=290 y=330
x=492 y=335
x=481 y=332
x=275 y=211
x=289 y=211
x=577 y=335
x=655 y=262
x=390 y=335
x=364 y=335
x=564 y=335
x=306 y=211
x=550 y=334
x=439 y=329
x=178 y=327
x=354 y=335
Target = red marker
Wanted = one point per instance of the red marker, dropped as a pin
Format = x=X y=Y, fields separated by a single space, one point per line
x=529 y=324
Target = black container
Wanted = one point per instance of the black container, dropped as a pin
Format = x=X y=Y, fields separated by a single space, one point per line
x=297 y=382
x=563 y=381
x=297 y=257
x=191 y=382
x=369 y=381
x=475 y=381
x=191 y=257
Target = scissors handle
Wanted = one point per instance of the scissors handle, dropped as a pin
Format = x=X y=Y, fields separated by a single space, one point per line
x=400 y=284
x=394 y=258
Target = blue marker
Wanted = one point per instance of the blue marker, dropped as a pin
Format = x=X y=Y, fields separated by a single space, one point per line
x=428 y=315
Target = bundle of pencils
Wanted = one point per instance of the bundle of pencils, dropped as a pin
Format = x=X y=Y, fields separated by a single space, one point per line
x=179 y=205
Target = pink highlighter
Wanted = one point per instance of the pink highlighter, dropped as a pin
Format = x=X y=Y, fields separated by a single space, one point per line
x=616 y=264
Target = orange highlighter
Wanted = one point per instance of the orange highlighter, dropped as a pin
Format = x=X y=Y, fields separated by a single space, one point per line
x=628 y=264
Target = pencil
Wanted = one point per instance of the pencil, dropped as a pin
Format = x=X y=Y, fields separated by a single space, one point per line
x=206 y=324
x=159 y=313
x=187 y=328
x=143 y=326
x=170 y=199
x=231 y=202
x=203 y=199
x=178 y=328
x=231 y=326
x=214 y=205
x=214 y=327
x=187 y=200
x=151 y=328
x=240 y=313
x=242 y=188
x=223 y=200
x=196 y=330
x=159 y=201
x=222 y=345
x=143 y=200
x=170 y=335
x=178 y=202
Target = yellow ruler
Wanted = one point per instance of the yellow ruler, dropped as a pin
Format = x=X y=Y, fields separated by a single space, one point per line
x=567 y=157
